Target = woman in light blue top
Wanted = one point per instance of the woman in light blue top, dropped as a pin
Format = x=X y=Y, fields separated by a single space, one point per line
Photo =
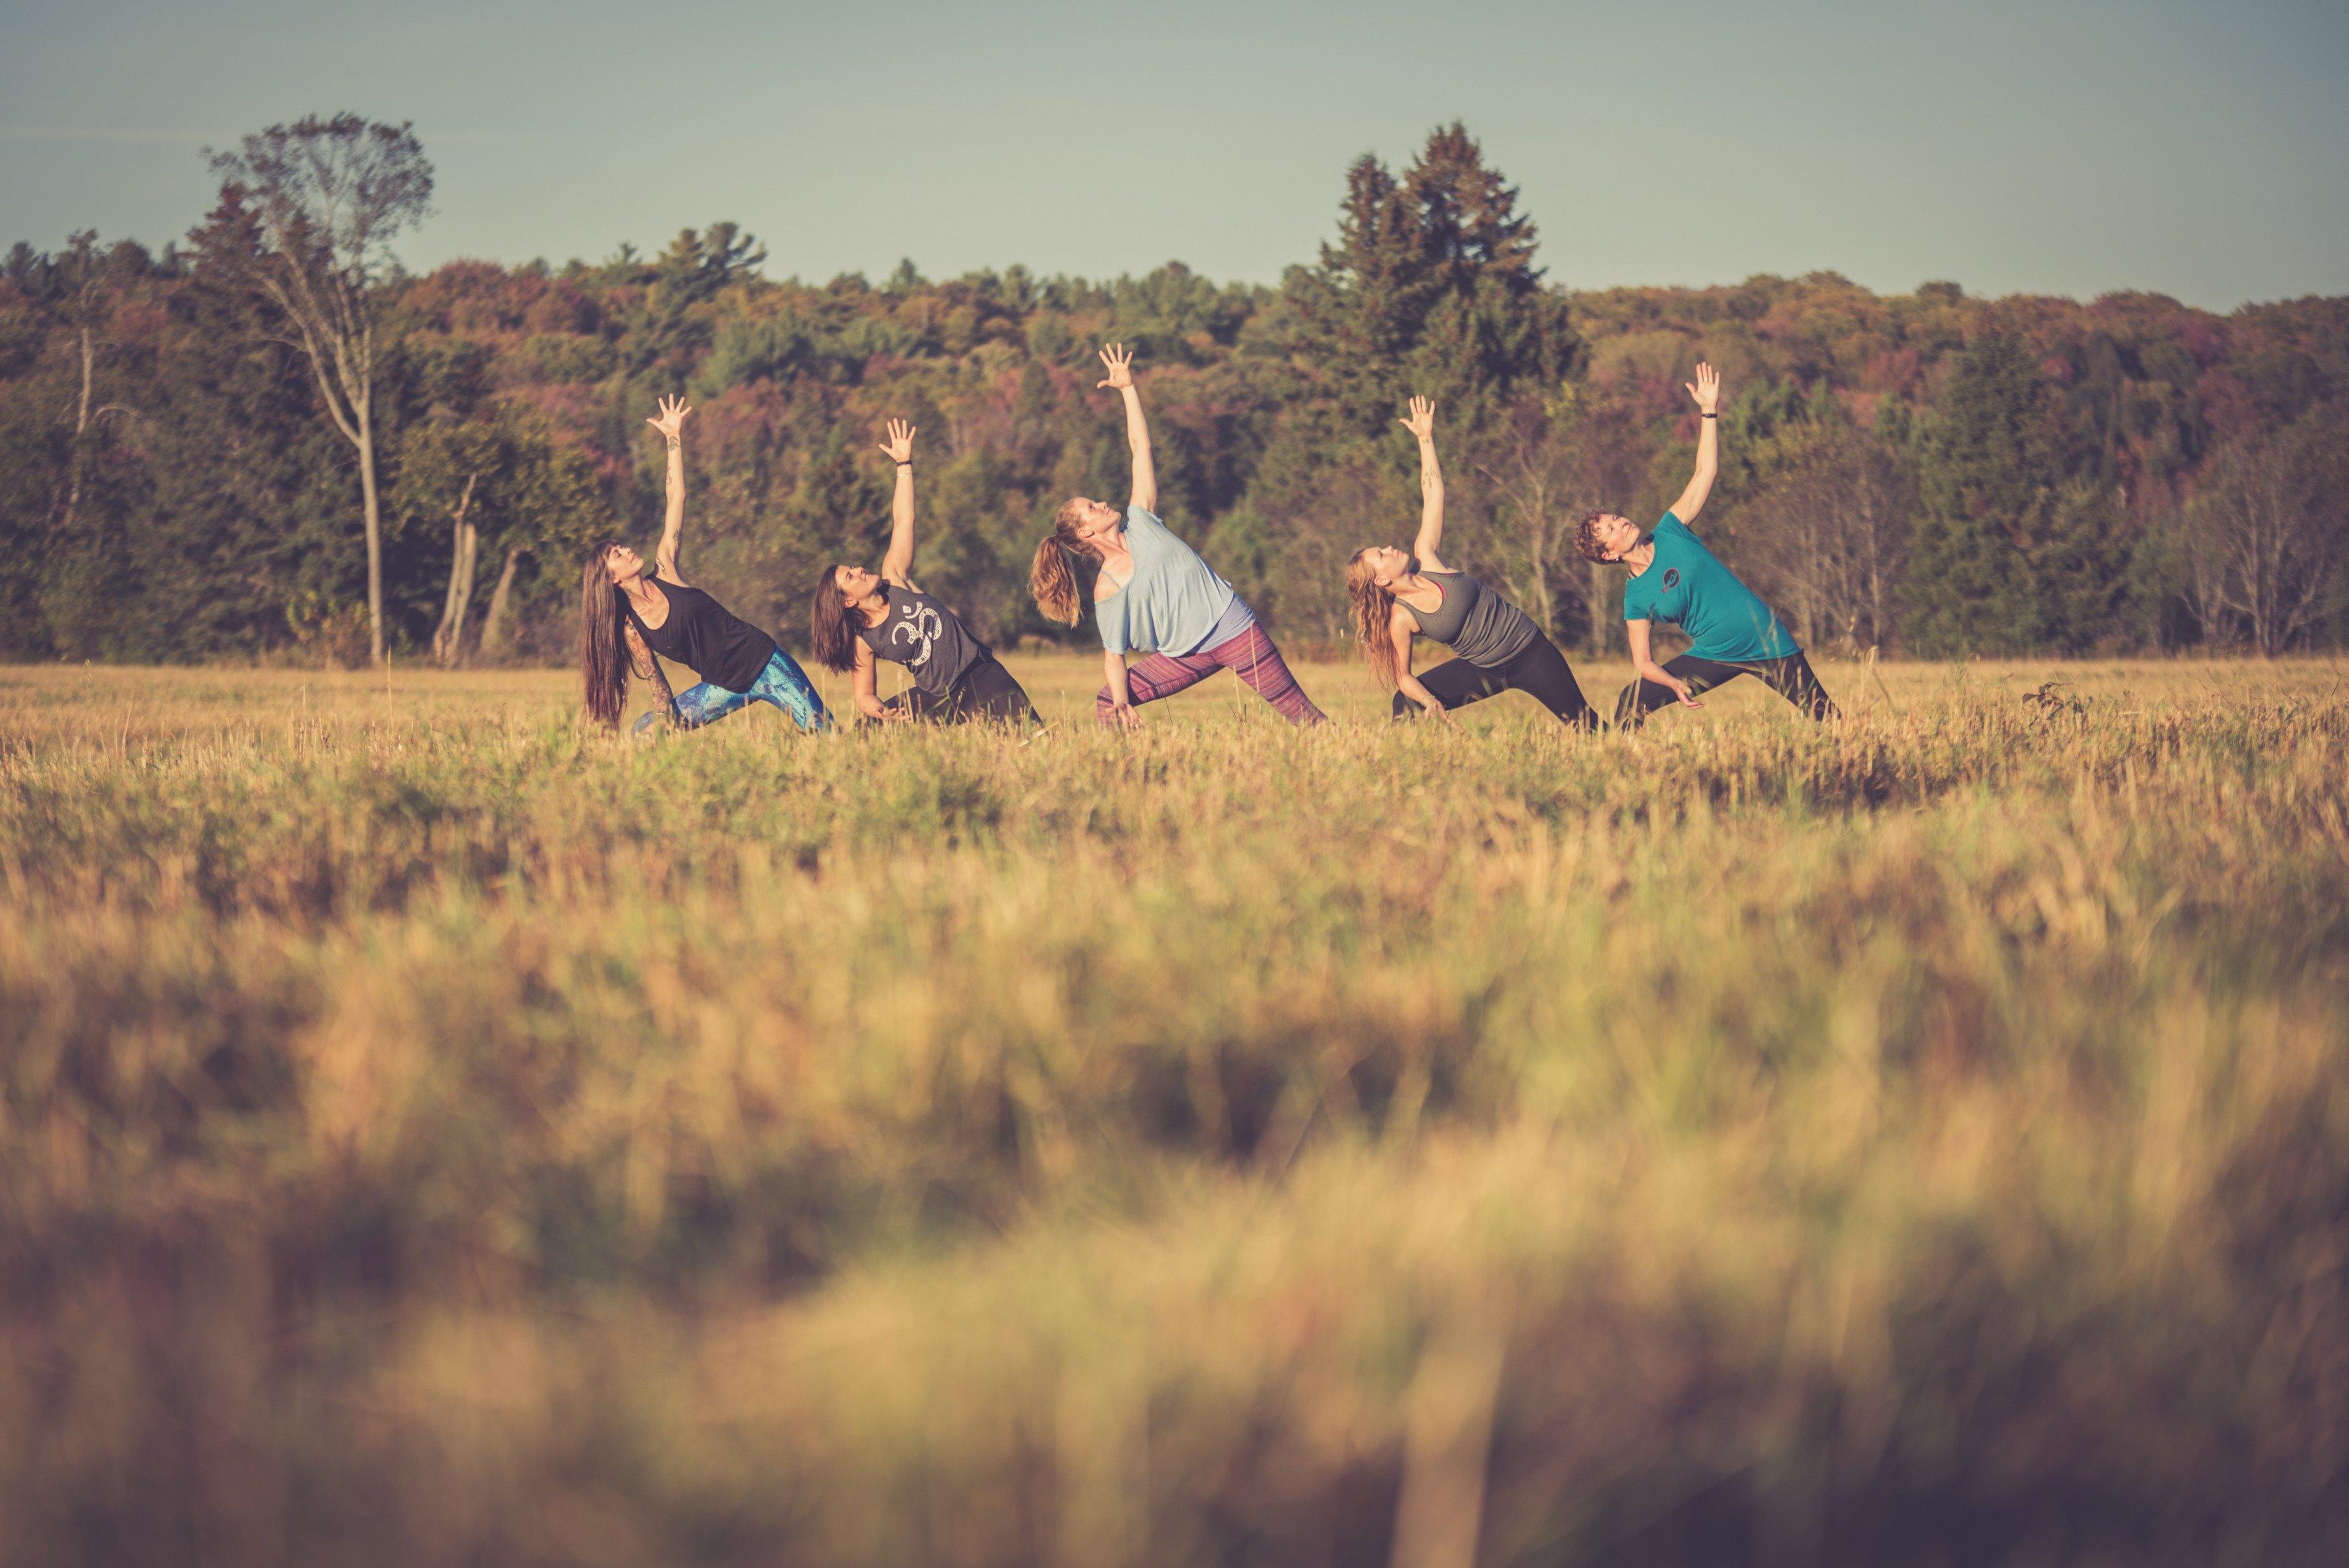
x=1154 y=595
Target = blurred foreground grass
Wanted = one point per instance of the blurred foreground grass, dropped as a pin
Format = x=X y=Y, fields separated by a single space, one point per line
x=430 y=1133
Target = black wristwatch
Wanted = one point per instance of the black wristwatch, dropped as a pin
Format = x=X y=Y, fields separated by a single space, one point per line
x=1712 y=416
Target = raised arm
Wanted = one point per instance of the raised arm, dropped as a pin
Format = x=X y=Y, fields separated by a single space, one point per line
x=1422 y=424
x=1706 y=390
x=671 y=425
x=1120 y=360
x=897 y=566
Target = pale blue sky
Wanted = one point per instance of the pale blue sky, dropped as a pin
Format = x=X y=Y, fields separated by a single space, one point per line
x=2062 y=146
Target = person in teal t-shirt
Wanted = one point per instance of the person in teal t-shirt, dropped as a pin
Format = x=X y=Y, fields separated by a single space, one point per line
x=1675 y=579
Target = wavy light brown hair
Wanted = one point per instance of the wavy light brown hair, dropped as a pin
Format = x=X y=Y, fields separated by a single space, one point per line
x=832 y=625
x=1049 y=576
x=1372 y=613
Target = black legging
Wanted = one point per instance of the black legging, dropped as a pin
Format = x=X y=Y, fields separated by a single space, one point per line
x=1790 y=678
x=986 y=691
x=1539 y=671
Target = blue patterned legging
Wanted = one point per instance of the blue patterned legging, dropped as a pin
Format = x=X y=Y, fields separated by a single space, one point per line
x=782 y=683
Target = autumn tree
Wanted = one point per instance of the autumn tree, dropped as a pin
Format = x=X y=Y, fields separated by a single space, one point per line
x=306 y=216
x=2266 y=545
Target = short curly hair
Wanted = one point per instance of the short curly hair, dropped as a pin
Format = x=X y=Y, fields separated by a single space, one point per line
x=1586 y=536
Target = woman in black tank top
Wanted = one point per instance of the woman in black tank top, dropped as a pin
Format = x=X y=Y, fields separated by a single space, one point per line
x=628 y=615
x=1495 y=646
x=856 y=617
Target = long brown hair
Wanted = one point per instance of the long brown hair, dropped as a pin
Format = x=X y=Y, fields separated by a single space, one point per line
x=832 y=625
x=1048 y=575
x=604 y=661
x=1373 y=617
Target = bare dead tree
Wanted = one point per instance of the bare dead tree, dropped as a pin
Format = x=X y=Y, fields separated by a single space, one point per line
x=448 y=636
x=493 y=619
x=2266 y=545
x=326 y=198
x=1830 y=534
x=1531 y=479
x=87 y=277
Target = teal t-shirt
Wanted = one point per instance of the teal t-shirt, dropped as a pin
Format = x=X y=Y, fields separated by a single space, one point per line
x=1173 y=602
x=1687 y=585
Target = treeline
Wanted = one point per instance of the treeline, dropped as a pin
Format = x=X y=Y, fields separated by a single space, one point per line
x=1929 y=473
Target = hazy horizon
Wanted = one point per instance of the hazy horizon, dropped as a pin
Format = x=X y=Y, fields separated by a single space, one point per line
x=2071 y=150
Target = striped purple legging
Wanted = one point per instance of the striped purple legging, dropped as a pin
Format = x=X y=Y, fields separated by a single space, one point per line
x=1251 y=656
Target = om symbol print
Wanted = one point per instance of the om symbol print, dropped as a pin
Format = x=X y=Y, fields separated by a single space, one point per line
x=921 y=627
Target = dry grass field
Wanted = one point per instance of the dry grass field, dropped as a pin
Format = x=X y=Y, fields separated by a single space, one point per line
x=431 y=1134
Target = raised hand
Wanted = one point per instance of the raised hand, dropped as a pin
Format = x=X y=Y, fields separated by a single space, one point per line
x=1422 y=423
x=1120 y=360
x=1706 y=388
x=671 y=422
x=900 y=444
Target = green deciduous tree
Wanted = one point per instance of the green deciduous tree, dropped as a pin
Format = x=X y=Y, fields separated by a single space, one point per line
x=505 y=490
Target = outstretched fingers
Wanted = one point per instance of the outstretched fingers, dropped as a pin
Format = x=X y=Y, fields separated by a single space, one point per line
x=1119 y=360
x=1706 y=389
x=900 y=447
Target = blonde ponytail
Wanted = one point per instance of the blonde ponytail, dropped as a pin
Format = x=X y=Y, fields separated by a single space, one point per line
x=1050 y=579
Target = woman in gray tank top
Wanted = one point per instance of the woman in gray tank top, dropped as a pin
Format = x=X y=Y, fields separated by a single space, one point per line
x=1495 y=646
x=857 y=617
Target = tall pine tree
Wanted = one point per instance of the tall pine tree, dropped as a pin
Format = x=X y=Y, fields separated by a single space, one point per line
x=1431 y=288
x=1987 y=485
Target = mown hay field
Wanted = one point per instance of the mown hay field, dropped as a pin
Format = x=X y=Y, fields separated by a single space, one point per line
x=430 y=1133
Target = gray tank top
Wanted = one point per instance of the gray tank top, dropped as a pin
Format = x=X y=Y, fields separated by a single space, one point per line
x=1475 y=623
x=925 y=637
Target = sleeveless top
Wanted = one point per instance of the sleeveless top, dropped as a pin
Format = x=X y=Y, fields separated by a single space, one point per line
x=702 y=634
x=925 y=637
x=1475 y=623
